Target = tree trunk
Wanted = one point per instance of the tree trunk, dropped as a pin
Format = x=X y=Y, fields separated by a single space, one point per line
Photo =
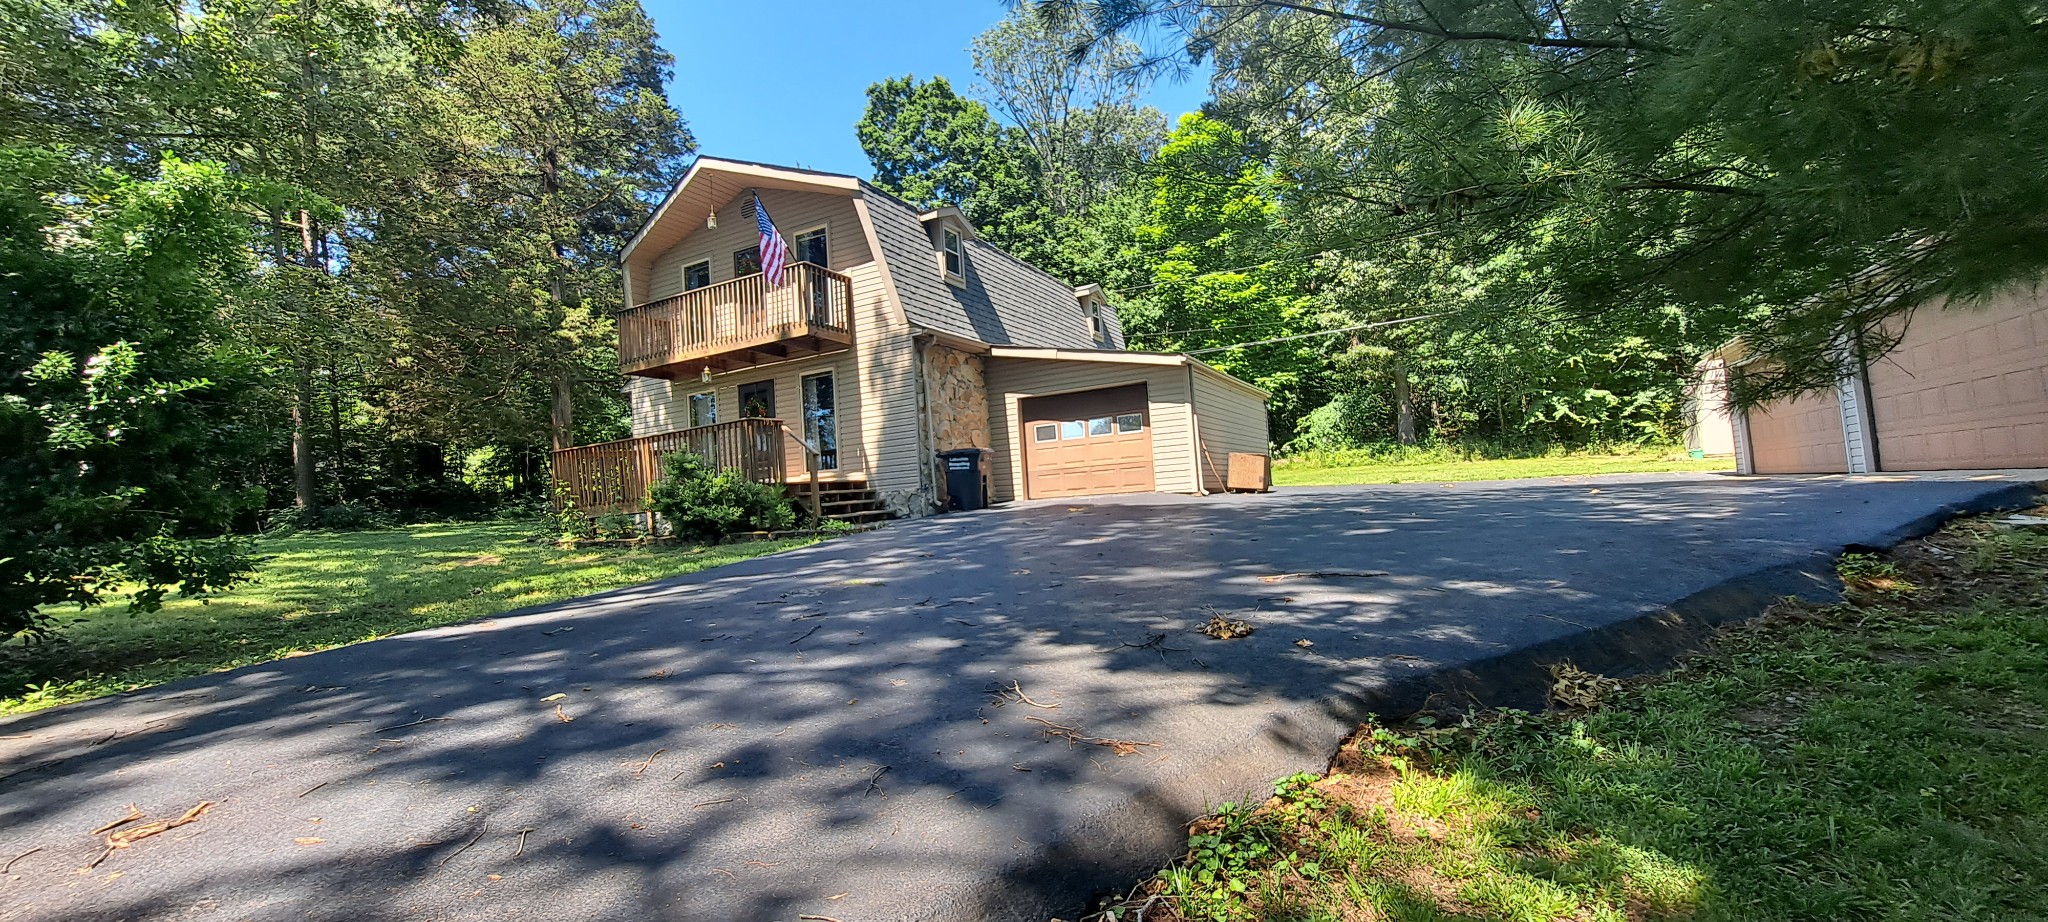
x=562 y=415
x=305 y=477
x=562 y=411
x=1404 y=403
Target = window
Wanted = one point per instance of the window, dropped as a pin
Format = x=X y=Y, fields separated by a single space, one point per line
x=757 y=400
x=1130 y=422
x=821 y=419
x=809 y=247
x=746 y=262
x=1074 y=429
x=703 y=409
x=697 y=275
x=1097 y=329
x=1101 y=425
x=1045 y=432
x=956 y=261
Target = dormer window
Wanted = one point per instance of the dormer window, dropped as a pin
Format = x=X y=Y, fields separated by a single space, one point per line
x=955 y=258
x=1094 y=311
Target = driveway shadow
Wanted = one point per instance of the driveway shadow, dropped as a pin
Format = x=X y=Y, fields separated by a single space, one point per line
x=838 y=730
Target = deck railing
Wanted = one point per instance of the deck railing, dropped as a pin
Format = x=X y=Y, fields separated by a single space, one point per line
x=613 y=477
x=734 y=316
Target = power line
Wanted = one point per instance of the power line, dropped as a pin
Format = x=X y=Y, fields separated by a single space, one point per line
x=1282 y=339
x=1402 y=235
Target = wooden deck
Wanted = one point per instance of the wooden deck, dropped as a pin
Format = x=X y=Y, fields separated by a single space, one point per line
x=613 y=477
x=738 y=324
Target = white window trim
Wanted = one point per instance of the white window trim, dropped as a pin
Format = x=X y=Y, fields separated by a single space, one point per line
x=805 y=423
x=824 y=228
x=689 y=407
x=706 y=263
x=960 y=250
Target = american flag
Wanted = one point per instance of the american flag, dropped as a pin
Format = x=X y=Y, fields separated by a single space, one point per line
x=774 y=253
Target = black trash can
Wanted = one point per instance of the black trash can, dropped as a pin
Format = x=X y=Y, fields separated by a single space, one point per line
x=967 y=476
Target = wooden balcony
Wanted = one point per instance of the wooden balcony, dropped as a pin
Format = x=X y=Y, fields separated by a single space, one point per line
x=738 y=324
x=613 y=477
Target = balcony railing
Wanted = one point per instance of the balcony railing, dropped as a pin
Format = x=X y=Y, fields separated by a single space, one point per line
x=613 y=477
x=738 y=323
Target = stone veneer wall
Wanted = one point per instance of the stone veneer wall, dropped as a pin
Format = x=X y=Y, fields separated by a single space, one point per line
x=959 y=398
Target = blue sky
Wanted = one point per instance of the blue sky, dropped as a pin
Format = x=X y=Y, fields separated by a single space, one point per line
x=784 y=82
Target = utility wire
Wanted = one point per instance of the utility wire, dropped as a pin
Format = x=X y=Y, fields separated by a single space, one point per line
x=1282 y=339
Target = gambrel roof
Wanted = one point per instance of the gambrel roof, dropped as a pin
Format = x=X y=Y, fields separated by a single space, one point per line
x=1003 y=301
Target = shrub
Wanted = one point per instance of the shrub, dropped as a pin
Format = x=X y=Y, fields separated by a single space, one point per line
x=704 y=506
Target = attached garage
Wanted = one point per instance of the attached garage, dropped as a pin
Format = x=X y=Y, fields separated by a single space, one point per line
x=1086 y=443
x=1965 y=389
x=1078 y=422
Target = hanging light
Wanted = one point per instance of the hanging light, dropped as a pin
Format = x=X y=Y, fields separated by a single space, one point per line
x=705 y=375
x=711 y=220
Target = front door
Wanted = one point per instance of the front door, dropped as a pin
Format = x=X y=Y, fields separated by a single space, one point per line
x=758 y=400
x=821 y=418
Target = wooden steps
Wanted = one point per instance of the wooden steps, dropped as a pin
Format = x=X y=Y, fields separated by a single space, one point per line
x=847 y=502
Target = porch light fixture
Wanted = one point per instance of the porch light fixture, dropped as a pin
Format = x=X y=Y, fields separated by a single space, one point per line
x=705 y=375
x=711 y=220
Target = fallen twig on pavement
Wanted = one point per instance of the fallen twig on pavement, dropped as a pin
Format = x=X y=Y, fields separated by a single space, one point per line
x=9 y=866
x=465 y=846
x=423 y=720
x=1076 y=735
x=650 y=761
x=127 y=837
x=133 y=815
x=1324 y=574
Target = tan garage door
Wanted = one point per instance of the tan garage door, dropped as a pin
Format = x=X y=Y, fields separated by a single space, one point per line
x=1087 y=443
x=1798 y=436
x=1966 y=388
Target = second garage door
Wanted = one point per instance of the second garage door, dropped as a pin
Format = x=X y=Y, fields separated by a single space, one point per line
x=1087 y=443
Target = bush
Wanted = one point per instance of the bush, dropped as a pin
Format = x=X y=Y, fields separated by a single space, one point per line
x=704 y=506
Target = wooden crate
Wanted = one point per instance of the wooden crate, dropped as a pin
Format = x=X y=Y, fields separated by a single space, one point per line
x=1250 y=473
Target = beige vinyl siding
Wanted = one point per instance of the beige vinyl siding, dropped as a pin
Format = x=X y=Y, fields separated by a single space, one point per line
x=877 y=373
x=1229 y=418
x=886 y=361
x=655 y=406
x=794 y=213
x=854 y=453
x=1166 y=391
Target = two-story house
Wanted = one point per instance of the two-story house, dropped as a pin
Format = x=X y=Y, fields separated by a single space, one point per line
x=896 y=334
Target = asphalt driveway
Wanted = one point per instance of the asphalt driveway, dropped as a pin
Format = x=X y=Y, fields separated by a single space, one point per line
x=826 y=733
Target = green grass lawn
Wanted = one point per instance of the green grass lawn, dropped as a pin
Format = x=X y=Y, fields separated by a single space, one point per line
x=1426 y=466
x=1880 y=759
x=319 y=590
